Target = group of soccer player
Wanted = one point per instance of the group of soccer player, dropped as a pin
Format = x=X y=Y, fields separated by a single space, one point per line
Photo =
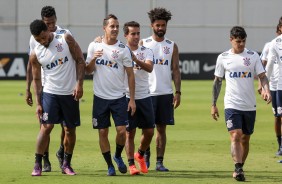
x=131 y=83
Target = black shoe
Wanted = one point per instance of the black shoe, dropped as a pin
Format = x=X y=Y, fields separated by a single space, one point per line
x=239 y=175
x=46 y=167
x=60 y=159
x=279 y=152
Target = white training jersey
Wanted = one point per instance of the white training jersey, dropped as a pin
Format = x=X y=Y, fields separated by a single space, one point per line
x=273 y=79
x=109 y=72
x=275 y=55
x=239 y=71
x=58 y=65
x=160 y=78
x=141 y=76
x=33 y=43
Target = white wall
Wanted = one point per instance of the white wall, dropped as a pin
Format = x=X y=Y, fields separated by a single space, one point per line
x=197 y=26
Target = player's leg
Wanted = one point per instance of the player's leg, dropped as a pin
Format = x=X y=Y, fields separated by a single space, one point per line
x=120 y=116
x=60 y=152
x=277 y=121
x=129 y=148
x=69 y=143
x=46 y=161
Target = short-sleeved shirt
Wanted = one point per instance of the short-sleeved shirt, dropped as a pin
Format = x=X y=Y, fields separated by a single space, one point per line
x=141 y=76
x=239 y=71
x=109 y=72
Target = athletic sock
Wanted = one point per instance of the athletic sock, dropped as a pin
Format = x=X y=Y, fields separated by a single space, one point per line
x=238 y=166
x=38 y=158
x=67 y=158
x=119 y=149
x=61 y=150
x=46 y=157
x=131 y=162
x=108 y=158
x=160 y=160
x=141 y=152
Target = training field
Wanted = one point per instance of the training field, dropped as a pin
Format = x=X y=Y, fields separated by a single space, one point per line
x=197 y=149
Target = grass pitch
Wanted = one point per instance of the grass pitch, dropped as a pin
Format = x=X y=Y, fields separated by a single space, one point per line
x=197 y=151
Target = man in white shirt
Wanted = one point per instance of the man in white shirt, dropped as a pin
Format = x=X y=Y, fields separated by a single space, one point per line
x=144 y=115
x=63 y=64
x=273 y=81
x=109 y=60
x=48 y=15
x=239 y=66
x=166 y=69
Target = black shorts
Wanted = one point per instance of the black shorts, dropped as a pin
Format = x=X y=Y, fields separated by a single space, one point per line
x=279 y=102
x=244 y=120
x=163 y=109
x=102 y=110
x=60 y=109
x=143 y=116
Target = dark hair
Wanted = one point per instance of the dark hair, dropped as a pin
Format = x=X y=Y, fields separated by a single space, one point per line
x=110 y=16
x=129 y=24
x=280 y=20
x=238 y=32
x=278 y=28
x=48 y=11
x=37 y=26
x=159 y=14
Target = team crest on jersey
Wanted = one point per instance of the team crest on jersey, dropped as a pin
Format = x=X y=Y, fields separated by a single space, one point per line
x=59 y=47
x=141 y=56
x=166 y=50
x=115 y=54
x=229 y=123
x=247 y=61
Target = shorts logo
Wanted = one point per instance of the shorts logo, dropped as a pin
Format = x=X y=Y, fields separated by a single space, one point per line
x=229 y=123
x=279 y=110
x=94 y=122
x=45 y=116
x=273 y=110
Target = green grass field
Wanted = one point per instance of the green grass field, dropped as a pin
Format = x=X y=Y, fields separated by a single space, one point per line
x=198 y=148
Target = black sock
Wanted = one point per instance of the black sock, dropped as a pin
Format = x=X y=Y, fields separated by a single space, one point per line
x=38 y=159
x=148 y=150
x=67 y=158
x=108 y=158
x=279 y=140
x=119 y=149
x=131 y=162
x=141 y=152
x=61 y=150
x=46 y=157
x=160 y=159
x=238 y=166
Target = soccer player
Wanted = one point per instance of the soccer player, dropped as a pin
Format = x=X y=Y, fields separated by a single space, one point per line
x=273 y=61
x=109 y=60
x=63 y=64
x=273 y=80
x=166 y=68
x=144 y=115
x=48 y=15
x=239 y=66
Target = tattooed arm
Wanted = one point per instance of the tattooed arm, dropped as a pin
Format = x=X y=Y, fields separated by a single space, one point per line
x=215 y=93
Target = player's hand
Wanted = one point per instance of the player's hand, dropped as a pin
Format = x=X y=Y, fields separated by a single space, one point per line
x=39 y=112
x=267 y=97
x=97 y=54
x=98 y=39
x=78 y=92
x=214 y=112
x=176 y=100
x=131 y=107
x=259 y=90
x=28 y=98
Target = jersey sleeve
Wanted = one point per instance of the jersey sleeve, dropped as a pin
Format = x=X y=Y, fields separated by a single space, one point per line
x=90 y=52
x=219 y=68
x=264 y=53
x=272 y=55
x=150 y=55
x=258 y=67
x=127 y=59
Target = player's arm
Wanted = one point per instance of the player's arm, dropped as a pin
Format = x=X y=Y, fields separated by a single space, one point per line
x=176 y=76
x=265 y=85
x=146 y=65
x=217 y=83
x=91 y=58
x=131 y=85
x=36 y=74
x=28 y=94
x=80 y=64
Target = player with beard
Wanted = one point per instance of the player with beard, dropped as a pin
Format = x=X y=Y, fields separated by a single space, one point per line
x=166 y=69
